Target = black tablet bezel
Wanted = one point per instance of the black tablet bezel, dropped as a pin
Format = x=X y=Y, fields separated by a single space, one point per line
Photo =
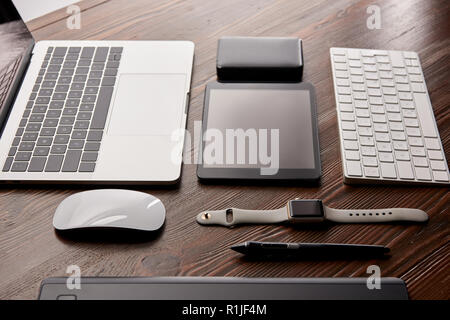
x=313 y=174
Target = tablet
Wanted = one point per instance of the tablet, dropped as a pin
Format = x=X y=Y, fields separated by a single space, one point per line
x=259 y=131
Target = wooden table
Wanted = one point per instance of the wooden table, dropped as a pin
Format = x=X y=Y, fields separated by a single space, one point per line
x=31 y=251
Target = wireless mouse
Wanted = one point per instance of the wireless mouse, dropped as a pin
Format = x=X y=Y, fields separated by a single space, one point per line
x=110 y=208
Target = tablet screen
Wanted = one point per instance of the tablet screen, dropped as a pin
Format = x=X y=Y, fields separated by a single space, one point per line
x=259 y=113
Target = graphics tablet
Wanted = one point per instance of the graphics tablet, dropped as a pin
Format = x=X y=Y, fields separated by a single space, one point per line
x=218 y=288
x=259 y=131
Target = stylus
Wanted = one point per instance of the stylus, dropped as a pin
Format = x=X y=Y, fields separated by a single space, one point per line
x=323 y=250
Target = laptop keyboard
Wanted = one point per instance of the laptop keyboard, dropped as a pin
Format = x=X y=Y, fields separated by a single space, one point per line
x=62 y=126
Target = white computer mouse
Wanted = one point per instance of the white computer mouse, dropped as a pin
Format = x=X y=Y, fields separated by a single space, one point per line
x=110 y=208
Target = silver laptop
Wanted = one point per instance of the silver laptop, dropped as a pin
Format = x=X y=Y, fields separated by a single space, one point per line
x=91 y=111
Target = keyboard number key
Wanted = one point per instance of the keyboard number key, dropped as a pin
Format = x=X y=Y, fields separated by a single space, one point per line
x=423 y=174
x=405 y=170
x=353 y=168
x=371 y=172
x=388 y=170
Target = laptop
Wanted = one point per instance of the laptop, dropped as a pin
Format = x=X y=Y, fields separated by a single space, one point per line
x=91 y=111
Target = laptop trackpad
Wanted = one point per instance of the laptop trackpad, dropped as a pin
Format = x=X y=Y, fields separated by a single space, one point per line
x=147 y=104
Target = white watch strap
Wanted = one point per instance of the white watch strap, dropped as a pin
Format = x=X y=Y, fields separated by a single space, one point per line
x=241 y=216
x=375 y=215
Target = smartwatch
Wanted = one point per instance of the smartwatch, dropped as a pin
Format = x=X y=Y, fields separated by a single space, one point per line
x=308 y=211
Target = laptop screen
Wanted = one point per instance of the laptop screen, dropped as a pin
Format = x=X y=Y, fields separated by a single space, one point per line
x=15 y=39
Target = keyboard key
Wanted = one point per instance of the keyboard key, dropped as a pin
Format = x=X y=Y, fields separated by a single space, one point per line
x=101 y=108
x=413 y=132
x=415 y=141
x=384 y=147
x=92 y=146
x=96 y=82
x=433 y=155
x=371 y=172
x=423 y=108
x=12 y=151
x=366 y=141
x=23 y=156
x=64 y=129
x=79 y=134
x=20 y=166
x=380 y=118
x=400 y=145
x=398 y=135
x=440 y=176
x=411 y=122
x=89 y=156
x=72 y=103
x=365 y=132
x=432 y=144
x=116 y=49
x=58 y=149
x=370 y=161
x=382 y=137
x=420 y=162
x=418 y=87
x=402 y=155
x=347 y=135
x=80 y=78
x=76 y=144
x=41 y=151
x=385 y=157
x=81 y=124
x=87 y=53
x=60 y=51
x=44 y=141
x=437 y=165
x=418 y=151
x=53 y=113
x=8 y=163
x=368 y=151
x=67 y=120
x=388 y=170
x=353 y=168
x=50 y=122
x=84 y=115
x=54 y=163
x=100 y=54
x=71 y=161
x=26 y=146
x=87 y=167
x=16 y=141
x=405 y=170
x=423 y=173
x=352 y=155
x=95 y=135
x=62 y=139
x=56 y=104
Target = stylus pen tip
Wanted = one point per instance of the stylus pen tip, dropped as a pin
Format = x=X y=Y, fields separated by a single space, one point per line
x=239 y=248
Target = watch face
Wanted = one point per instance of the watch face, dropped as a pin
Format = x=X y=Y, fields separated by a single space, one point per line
x=306 y=209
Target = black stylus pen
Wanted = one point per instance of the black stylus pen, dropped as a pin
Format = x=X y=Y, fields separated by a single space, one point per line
x=323 y=250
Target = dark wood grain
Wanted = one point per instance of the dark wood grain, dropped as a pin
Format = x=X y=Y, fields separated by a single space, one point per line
x=31 y=251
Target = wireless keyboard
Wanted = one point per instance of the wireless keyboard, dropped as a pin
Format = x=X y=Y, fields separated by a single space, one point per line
x=387 y=129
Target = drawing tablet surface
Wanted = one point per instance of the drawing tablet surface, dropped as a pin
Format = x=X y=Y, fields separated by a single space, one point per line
x=260 y=131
